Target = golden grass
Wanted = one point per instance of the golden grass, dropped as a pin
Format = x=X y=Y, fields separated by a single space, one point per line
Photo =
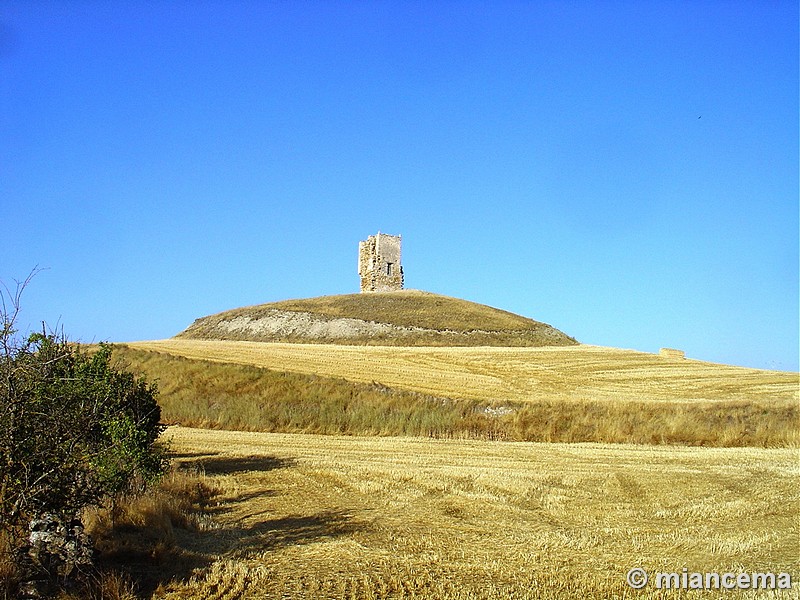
x=498 y=375
x=111 y=585
x=145 y=539
x=146 y=525
x=307 y=516
x=230 y=396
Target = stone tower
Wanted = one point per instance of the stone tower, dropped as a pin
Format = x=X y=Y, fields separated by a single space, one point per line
x=379 y=263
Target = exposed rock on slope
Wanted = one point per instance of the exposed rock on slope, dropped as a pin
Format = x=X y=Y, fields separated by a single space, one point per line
x=401 y=318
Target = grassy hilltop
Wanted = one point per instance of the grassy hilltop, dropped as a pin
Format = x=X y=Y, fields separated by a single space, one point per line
x=403 y=318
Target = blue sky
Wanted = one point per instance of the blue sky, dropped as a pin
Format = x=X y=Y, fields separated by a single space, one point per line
x=625 y=171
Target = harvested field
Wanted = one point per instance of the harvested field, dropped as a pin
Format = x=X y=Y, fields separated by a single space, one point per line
x=497 y=374
x=304 y=516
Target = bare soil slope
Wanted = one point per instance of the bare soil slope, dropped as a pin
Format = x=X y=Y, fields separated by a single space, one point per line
x=404 y=318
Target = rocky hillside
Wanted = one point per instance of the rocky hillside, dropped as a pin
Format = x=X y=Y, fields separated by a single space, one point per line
x=404 y=318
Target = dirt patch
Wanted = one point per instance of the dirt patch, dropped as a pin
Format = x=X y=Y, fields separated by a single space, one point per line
x=276 y=325
x=282 y=323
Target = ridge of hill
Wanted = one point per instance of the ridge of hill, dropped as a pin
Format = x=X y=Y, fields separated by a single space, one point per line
x=401 y=318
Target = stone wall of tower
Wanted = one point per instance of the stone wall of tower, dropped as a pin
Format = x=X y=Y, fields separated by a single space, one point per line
x=379 y=263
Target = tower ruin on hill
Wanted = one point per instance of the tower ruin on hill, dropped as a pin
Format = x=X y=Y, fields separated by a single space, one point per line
x=379 y=263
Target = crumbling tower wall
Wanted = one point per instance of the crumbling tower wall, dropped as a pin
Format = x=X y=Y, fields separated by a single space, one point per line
x=379 y=263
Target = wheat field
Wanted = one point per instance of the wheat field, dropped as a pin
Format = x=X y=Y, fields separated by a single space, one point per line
x=306 y=516
x=501 y=374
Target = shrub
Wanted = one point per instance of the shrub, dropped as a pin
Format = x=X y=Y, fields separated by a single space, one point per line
x=74 y=430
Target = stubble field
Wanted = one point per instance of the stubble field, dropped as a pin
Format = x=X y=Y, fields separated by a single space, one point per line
x=300 y=515
x=306 y=516
x=497 y=374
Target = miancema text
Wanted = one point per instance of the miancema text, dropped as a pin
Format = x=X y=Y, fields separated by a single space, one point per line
x=727 y=581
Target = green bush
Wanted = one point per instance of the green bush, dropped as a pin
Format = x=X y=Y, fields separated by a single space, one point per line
x=74 y=430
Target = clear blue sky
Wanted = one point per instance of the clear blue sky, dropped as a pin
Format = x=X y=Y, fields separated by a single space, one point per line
x=625 y=171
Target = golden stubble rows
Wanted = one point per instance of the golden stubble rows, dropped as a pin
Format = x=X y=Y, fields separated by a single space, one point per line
x=307 y=516
x=505 y=374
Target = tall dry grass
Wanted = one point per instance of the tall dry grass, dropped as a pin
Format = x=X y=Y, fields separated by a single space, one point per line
x=140 y=539
x=109 y=585
x=143 y=540
x=201 y=393
x=144 y=527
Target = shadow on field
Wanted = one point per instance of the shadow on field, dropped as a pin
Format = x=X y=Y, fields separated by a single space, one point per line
x=274 y=534
x=215 y=464
x=149 y=573
x=179 y=539
x=173 y=535
x=181 y=456
x=244 y=497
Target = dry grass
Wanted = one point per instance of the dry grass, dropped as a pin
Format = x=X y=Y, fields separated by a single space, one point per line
x=579 y=394
x=142 y=541
x=406 y=308
x=146 y=539
x=332 y=517
x=417 y=318
x=505 y=374
x=145 y=526
x=253 y=515
x=110 y=585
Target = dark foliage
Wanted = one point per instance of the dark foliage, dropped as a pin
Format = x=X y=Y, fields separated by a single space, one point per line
x=75 y=430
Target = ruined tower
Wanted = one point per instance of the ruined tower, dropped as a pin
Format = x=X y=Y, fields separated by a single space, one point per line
x=379 y=263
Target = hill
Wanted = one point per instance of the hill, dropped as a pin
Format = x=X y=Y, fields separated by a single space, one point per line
x=403 y=318
x=569 y=394
x=499 y=375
